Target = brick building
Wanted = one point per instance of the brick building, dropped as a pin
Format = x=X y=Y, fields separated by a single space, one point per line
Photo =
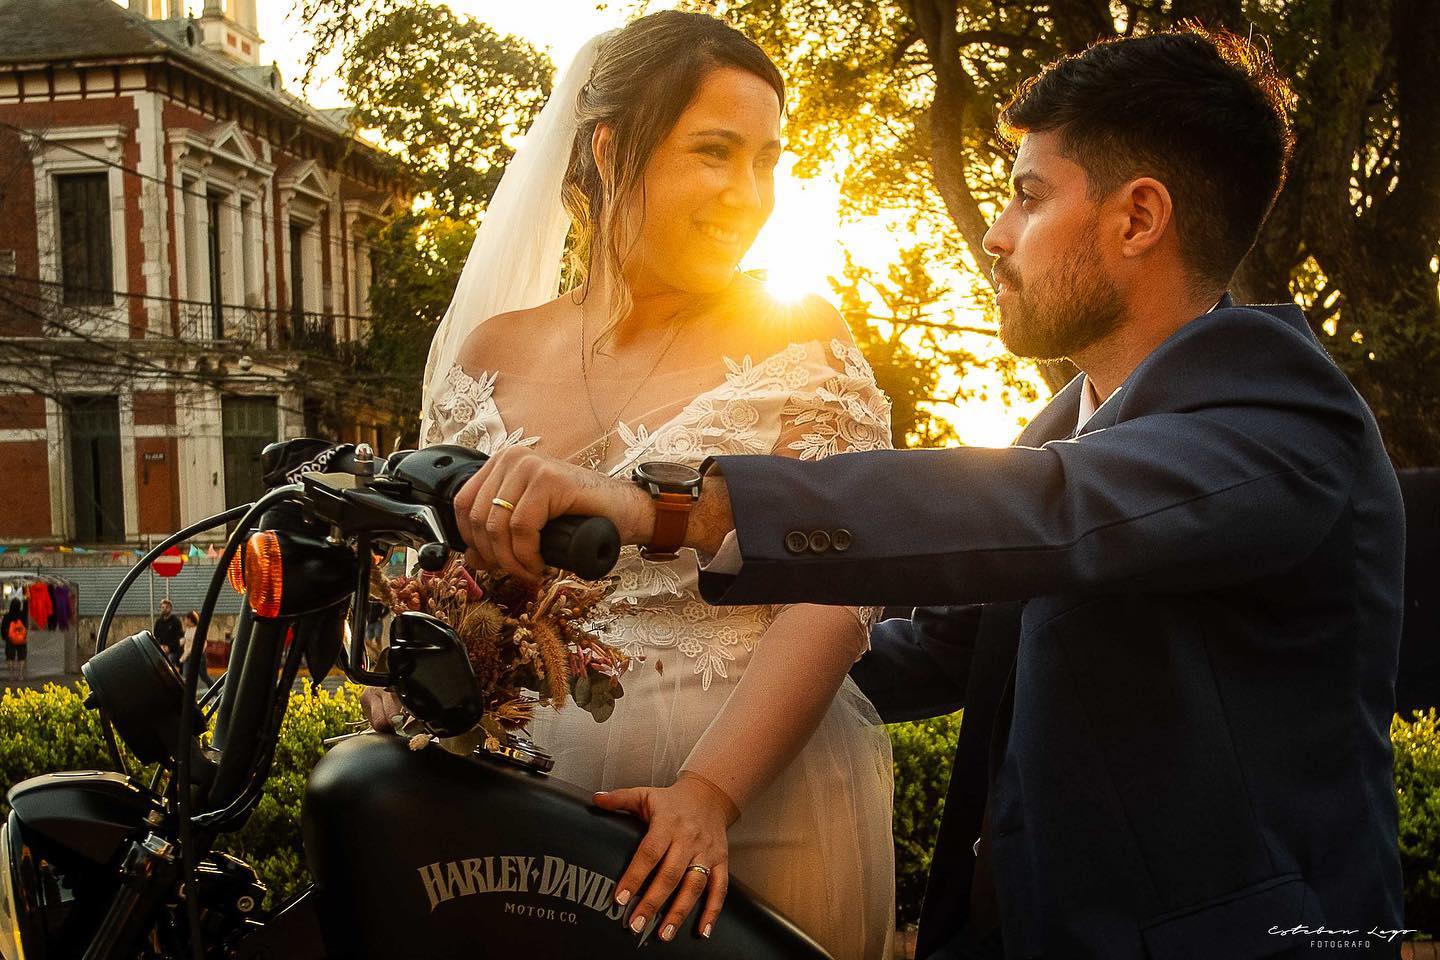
x=184 y=270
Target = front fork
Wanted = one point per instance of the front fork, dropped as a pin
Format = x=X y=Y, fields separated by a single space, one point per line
x=147 y=876
x=257 y=650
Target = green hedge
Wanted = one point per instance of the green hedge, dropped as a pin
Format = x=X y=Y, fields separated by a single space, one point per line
x=50 y=729
x=1417 y=788
x=923 y=751
x=45 y=730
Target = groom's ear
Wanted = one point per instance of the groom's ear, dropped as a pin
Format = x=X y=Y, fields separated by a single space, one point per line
x=600 y=144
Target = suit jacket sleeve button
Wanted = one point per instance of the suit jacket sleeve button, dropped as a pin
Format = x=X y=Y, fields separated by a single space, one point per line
x=796 y=542
x=819 y=541
x=840 y=540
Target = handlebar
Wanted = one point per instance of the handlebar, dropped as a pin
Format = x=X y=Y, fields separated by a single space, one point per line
x=409 y=498
x=332 y=504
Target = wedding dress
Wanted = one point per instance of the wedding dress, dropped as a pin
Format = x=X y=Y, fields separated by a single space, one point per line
x=816 y=843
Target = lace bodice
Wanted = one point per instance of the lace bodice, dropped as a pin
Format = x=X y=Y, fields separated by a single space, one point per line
x=809 y=400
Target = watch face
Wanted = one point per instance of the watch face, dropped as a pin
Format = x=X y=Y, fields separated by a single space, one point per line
x=666 y=474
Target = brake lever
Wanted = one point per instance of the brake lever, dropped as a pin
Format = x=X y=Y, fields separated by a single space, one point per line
x=347 y=502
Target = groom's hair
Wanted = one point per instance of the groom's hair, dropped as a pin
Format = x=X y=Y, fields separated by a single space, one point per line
x=1203 y=112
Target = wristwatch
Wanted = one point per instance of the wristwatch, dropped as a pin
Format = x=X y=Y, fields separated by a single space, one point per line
x=674 y=487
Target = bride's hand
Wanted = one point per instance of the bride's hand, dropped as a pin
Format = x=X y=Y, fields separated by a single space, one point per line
x=502 y=508
x=687 y=826
x=379 y=707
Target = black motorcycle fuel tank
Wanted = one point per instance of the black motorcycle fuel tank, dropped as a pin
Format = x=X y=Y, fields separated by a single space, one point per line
x=425 y=854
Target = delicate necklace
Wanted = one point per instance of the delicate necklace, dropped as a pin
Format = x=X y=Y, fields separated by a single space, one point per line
x=595 y=453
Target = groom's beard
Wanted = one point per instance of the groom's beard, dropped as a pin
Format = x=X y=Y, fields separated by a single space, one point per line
x=1064 y=311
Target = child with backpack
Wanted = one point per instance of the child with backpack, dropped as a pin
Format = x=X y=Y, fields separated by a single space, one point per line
x=16 y=631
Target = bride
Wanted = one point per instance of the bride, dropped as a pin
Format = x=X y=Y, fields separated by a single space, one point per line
x=740 y=739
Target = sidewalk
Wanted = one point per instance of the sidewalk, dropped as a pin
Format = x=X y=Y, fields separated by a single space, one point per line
x=46 y=664
x=45 y=661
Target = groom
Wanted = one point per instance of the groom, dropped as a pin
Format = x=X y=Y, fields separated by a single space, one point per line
x=1179 y=592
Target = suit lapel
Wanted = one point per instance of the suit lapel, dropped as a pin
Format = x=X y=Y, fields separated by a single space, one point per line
x=1104 y=415
x=1057 y=420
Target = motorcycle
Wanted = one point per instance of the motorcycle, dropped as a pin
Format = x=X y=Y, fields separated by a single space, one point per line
x=413 y=854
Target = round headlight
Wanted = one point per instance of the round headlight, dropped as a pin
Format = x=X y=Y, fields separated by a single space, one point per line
x=138 y=689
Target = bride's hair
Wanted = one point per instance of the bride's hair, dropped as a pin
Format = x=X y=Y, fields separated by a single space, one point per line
x=643 y=79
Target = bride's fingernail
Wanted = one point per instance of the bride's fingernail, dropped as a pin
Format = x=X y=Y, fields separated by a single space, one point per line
x=706 y=932
x=668 y=932
x=638 y=923
x=623 y=897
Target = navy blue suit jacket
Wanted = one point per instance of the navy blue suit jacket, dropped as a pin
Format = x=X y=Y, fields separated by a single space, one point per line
x=1193 y=679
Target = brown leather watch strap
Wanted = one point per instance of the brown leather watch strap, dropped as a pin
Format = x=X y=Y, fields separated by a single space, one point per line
x=672 y=519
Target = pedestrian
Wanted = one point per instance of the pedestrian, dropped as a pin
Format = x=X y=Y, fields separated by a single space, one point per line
x=192 y=623
x=168 y=633
x=17 y=635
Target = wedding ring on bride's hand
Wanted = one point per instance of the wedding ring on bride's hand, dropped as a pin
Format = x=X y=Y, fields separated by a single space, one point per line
x=502 y=502
x=704 y=870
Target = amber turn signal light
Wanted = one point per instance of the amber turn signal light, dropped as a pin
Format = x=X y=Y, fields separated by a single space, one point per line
x=263 y=573
x=237 y=571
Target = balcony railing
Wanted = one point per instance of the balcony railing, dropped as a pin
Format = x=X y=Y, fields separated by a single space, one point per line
x=242 y=325
x=259 y=329
x=308 y=332
x=31 y=307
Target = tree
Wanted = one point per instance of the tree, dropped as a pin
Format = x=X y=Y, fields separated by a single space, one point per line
x=907 y=337
x=907 y=93
x=916 y=347
x=447 y=95
x=418 y=259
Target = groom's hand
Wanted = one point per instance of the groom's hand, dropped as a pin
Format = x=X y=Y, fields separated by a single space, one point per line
x=540 y=488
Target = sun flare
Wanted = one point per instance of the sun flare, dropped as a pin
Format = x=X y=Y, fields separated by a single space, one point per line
x=799 y=249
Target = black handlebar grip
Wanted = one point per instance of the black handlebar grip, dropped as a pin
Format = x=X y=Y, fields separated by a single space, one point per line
x=587 y=545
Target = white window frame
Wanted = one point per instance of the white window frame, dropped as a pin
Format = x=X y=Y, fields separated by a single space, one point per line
x=67 y=150
x=219 y=161
x=304 y=201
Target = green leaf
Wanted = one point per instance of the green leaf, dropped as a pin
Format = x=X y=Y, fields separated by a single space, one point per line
x=583 y=691
x=602 y=712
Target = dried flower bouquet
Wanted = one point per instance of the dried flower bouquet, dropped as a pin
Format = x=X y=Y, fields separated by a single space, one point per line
x=520 y=637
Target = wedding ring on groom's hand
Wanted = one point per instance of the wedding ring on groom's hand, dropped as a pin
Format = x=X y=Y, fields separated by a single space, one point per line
x=502 y=502
x=704 y=871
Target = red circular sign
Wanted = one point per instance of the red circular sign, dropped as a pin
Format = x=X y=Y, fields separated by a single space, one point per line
x=169 y=563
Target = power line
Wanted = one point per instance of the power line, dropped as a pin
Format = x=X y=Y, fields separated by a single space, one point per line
x=132 y=364
x=110 y=343
x=391 y=387
x=182 y=301
x=137 y=366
